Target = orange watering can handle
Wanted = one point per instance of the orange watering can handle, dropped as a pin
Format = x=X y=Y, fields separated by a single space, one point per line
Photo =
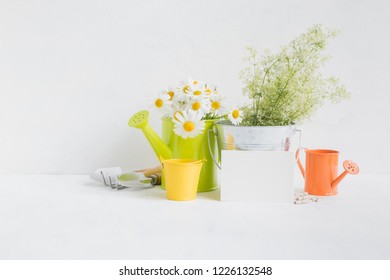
x=299 y=161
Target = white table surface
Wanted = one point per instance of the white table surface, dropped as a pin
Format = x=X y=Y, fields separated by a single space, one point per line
x=72 y=217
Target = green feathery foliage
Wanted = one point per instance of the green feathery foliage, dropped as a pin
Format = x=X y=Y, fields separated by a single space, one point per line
x=287 y=87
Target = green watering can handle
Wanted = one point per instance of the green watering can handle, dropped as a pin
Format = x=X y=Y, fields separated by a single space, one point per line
x=211 y=152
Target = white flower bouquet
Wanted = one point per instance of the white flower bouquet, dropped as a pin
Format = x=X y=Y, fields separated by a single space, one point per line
x=191 y=103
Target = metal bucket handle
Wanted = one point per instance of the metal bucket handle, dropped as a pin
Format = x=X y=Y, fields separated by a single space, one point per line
x=211 y=152
x=300 y=137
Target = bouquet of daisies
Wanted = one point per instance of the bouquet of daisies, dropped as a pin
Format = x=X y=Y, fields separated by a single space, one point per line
x=191 y=103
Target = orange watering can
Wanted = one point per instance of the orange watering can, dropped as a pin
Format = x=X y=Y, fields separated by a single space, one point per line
x=321 y=171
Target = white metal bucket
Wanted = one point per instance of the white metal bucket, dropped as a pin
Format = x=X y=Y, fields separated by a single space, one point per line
x=250 y=138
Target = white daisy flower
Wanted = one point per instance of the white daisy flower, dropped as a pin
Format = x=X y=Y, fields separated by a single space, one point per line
x=199 y=104
x=173 y=108
x=218 y=106
x=174 y=94
x=235 y=116
x=171 y=92
x=188 y=124
x=185 y=86
x=210 y=90
x=197 y=90
x=192 y=81
x=162 y=103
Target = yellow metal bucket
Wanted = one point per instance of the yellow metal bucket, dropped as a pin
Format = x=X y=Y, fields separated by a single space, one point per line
x=181 y=178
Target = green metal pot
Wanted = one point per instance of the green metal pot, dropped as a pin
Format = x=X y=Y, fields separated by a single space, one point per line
x=172 y=146
x=196 y=148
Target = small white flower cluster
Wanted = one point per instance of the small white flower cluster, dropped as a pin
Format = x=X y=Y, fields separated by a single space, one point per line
x=192 y=102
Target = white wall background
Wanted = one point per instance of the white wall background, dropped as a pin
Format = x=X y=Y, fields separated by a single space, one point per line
x=73 y=72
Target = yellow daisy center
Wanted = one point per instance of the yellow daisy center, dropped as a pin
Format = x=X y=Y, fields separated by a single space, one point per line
x=185 y=89
x=197 y=92
x=215 y=105
x=189 y=126
x=195 y=82
x=235 y=114
x=159 y=103
x=208 y=91
x=171 y=94
x=196 y=106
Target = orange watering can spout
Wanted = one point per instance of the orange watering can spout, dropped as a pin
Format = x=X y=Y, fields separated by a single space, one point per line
x=349 y=167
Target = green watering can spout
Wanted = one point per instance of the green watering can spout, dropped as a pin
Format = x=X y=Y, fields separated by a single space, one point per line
x=141 y=120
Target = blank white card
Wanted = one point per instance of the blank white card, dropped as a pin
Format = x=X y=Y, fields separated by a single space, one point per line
x=257 y=176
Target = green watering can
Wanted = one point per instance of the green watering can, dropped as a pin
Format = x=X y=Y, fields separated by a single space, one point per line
x=172 y=146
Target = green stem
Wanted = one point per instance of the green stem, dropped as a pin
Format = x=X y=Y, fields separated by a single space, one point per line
x=293 y=73
x=258 y=95
x=300 y=113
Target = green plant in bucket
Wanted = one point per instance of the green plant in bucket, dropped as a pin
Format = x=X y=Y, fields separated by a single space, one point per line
x=287 y=87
